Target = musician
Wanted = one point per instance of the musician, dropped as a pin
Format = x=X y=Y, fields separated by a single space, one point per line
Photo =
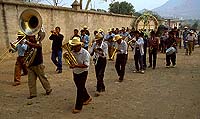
x=80 y=73
x=125 y=34
x=153 y=43
x=85 y=28
x=170 y=42
x=20 y=63
x=85 y=39
x=57 y=39
x=138 y=52
x=100 y=50
x=145 y=39
x=185 y=33
x=75 y=34
x=190 y=41
x=109 y=39
x=122 y=55
x=36 y=69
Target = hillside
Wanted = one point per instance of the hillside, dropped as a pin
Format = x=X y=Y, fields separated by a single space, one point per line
x=186 y=9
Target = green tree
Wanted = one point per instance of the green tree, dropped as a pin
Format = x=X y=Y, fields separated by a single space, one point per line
x=121 y=8
x=195 y=25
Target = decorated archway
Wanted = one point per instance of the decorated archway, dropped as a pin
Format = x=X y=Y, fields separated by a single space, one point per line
x=146 y=21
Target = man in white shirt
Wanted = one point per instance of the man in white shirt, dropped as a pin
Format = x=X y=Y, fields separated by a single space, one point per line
x=80 y=72
x=100 y=51
x=122 y=55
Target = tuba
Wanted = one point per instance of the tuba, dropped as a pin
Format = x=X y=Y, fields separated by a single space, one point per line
x=30 y=23
x=68 y=56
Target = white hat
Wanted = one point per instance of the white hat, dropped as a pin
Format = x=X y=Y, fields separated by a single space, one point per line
x=75 y=41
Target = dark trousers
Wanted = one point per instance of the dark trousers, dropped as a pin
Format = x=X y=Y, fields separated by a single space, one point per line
x=144 y=58
x=82 y=94
x=138 y=60
x=153 y=53
x=100 y=69
x=57 y=54
x=171 y=58
x=120 y=65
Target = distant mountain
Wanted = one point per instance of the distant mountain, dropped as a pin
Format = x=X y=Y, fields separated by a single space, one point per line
x=186 y=9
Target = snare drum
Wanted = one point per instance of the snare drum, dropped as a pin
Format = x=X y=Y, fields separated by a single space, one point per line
x=170 y=50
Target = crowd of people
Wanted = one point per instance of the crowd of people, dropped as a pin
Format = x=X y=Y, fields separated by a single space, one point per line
x=103 y=47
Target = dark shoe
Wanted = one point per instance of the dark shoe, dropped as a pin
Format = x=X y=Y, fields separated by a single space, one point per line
x=30 y=97
x=48 y=92
x=88 y=101
x=16 y=83
x=120 y=80
x=102 y=90
x=74 y=111
x=153 y=67
x=149 y=66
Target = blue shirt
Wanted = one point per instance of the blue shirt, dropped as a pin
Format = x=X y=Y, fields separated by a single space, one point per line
x=21 y=48
x=87 y=40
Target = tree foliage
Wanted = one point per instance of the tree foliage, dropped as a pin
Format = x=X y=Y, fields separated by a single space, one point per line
x=121 y=8
x=195 y=25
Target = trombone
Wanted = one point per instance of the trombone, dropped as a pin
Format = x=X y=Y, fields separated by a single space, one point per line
x=30 y=23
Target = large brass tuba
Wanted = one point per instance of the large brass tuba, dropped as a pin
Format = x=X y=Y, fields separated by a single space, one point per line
x=30 y=23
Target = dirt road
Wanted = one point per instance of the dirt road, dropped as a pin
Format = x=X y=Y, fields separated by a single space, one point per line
x=163 y=93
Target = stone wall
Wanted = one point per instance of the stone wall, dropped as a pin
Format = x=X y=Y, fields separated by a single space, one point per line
x=66 y=18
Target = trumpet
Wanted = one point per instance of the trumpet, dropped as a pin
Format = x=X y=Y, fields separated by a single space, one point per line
x=68 y=56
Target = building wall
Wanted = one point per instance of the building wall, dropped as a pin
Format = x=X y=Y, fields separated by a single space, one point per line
x=66 y=18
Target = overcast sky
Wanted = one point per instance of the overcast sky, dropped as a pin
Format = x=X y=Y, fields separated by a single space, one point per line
x=100 y=4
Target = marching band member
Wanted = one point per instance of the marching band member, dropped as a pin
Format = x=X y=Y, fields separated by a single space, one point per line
x=57 y=39
x=75 y=34
x=190 y=41
x=138 y=52
x=122 y=55
x=36 y=69
x=170 y=42
x=100 y=50
x=20 y=63
x=109 y=39
x=153 y=49
x=85 y=39
x=80 y=73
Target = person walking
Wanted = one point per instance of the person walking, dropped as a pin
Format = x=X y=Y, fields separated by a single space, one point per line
x=100 y=51
x=153 y=49
x=122 y=55
x=36 y=68
x=56 y=55
x=80 y=73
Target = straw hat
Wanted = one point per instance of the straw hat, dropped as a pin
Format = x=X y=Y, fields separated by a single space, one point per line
x=109 y=30
x=20 y=33
x=100 y=30
x=85 y=27
x=75 y=41
x=98 y=36
x=117 y=37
